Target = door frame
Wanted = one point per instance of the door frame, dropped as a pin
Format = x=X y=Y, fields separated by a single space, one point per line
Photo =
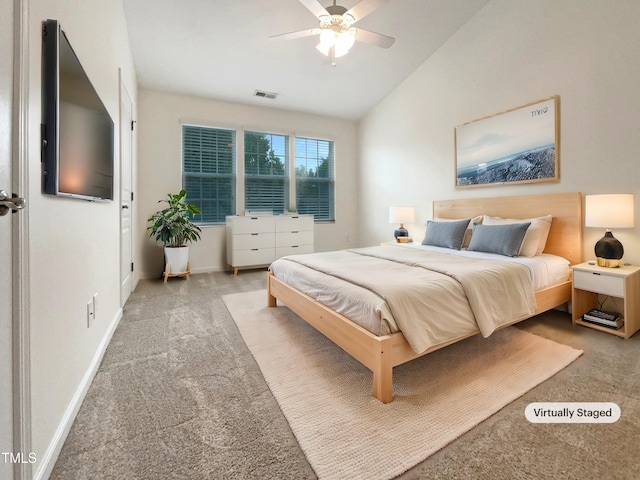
x=20 y=242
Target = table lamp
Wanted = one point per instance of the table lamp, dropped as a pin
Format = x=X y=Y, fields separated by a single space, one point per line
x=609 y=211
x=401 y=215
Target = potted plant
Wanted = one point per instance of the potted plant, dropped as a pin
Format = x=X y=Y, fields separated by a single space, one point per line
x=174 y=229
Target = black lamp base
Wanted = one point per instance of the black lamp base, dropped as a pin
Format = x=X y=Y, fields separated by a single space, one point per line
x=400 y=232
x=609 y=251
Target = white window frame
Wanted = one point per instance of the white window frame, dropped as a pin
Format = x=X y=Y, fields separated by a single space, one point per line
x=240 y=158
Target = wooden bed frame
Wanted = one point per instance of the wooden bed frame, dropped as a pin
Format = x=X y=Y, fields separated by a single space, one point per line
x=381 y=353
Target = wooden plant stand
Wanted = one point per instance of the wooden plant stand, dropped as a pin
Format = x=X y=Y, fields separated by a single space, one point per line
x=167 y=272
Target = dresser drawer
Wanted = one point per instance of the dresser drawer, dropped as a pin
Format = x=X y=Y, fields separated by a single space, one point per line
x=288 y=239
x=257 y=256
x=289 y=223
x=251 y=224
x=247 y=241
x=599 y=283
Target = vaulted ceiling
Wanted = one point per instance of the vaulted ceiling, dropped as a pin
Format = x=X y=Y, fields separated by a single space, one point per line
x=221 y=49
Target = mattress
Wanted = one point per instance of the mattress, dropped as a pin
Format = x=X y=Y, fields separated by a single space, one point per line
x=441 y=312
x=546 y=270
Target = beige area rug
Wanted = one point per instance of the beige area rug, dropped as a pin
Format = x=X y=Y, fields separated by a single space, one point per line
x=346 y=433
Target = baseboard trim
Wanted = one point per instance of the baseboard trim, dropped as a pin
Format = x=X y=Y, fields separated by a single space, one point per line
x=48 y=461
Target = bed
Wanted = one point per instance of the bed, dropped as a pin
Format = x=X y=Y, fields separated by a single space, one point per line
x=386 y=346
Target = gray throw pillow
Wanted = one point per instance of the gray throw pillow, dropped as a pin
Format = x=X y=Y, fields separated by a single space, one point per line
x=501 y=239
x=446 y=234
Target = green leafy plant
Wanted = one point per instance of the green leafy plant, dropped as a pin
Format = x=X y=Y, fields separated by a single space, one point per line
x=173 y=226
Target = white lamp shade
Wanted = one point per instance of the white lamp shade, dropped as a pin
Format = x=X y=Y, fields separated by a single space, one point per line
x=401 y=215
x=609 y=211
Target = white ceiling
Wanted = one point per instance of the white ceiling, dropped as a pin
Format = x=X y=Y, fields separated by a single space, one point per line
x=221 y=49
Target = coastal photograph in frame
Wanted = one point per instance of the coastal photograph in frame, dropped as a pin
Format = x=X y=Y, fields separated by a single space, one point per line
x=517 y=146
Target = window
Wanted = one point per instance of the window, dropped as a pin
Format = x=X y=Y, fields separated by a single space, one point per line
x=208 y=173
x=314 y=178
x=270 y=175
x=266 y=172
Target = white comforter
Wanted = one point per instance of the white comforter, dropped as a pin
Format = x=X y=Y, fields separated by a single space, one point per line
x=431 y=297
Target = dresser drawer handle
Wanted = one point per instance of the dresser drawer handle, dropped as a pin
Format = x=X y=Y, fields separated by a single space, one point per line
x=595 y=273
x=255 y=234
x=255 y=249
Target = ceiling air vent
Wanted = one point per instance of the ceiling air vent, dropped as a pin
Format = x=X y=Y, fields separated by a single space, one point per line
x=263 y=94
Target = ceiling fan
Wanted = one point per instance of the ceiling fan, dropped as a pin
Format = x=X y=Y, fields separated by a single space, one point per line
x=336 y=31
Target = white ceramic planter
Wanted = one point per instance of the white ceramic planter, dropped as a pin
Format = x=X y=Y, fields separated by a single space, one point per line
x=177 y=258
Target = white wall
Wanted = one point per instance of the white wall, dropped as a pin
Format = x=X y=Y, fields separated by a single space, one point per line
x=511 y=53
x=74 y=245
x=160 y=168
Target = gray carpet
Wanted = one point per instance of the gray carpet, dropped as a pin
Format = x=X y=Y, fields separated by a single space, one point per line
x=178 y=395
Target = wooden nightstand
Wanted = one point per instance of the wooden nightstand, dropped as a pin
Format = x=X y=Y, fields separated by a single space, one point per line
x=395 y=242
x=589 y=281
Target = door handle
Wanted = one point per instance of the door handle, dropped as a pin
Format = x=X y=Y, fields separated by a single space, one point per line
x=124 y=207
x=7 y=203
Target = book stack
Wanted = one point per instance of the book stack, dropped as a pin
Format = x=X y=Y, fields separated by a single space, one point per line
x=604 y=319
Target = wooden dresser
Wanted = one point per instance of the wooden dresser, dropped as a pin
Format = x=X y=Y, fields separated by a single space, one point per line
x=256 y=241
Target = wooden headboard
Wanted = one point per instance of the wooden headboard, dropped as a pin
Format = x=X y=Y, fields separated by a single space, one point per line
x=565 y=236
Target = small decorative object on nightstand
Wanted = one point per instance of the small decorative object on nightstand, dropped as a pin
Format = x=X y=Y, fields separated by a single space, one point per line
x=591 y=281
x=609 y=211
x=401 y=215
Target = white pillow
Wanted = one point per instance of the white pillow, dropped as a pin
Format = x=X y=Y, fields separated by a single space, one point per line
x=468 y=232
x=536 y=236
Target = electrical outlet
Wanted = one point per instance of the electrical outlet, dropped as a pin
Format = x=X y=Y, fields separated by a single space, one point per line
x=90 y=313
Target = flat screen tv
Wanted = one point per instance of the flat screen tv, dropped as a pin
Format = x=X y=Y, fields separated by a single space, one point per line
x=77 y=131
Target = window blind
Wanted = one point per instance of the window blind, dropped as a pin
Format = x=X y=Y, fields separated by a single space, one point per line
x=315 y=178
x=208 y=173
x=266 y=182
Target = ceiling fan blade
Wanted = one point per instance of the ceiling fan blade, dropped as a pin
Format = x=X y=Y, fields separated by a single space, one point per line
x=294 y=35
x=314 y=7
x=364 y=8
x=374 y=38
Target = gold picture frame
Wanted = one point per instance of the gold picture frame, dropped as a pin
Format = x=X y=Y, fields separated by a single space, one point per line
x=520 y=145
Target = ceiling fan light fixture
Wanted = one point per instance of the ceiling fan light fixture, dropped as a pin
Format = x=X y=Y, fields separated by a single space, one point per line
x=335 y=30
x=343 y=43
x=323 y=49
x=348 y=20
x=327 y=40
x=325 y=20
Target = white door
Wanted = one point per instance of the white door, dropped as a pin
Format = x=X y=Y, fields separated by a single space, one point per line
x=6 y=311
x=126 y=204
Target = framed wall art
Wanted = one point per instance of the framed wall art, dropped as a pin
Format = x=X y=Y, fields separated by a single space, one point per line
x=517 y=146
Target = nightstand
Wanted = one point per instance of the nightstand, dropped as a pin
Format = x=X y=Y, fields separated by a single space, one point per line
x=589 y=281
x=395 y=242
